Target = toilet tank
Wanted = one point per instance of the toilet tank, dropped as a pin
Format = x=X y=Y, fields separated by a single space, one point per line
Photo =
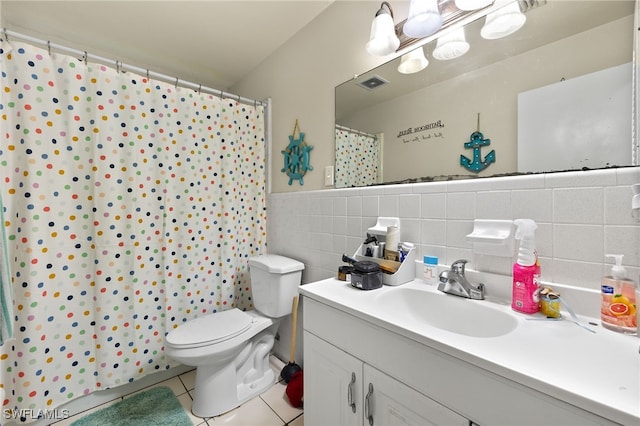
x=274 y=282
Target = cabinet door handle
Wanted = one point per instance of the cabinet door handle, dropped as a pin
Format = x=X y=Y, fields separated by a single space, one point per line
x=367 y=405
x=350 y=400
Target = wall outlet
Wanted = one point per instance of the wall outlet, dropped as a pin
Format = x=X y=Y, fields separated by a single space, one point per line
x=328 y=176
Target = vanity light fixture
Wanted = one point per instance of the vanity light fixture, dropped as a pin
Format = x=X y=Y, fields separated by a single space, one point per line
x=383 y=40
x=424 y=18
x=505 y=20
x=472 y=4
x=451 y=45
x=413 y=61
x=428 y=19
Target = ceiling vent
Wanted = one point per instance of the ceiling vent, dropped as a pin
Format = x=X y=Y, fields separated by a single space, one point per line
x=373 y=82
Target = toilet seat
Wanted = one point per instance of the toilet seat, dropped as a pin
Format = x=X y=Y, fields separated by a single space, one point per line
x=210 y=329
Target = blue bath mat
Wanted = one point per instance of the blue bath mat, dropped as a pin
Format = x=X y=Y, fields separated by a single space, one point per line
x=156 y=407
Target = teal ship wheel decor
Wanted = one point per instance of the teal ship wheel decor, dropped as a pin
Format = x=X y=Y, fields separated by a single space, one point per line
x=296 y=157
x=477 y=141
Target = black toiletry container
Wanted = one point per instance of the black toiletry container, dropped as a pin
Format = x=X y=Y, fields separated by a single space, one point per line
x=366 y=275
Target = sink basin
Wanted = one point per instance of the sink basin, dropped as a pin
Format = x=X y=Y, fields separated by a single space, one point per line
x=455 y=314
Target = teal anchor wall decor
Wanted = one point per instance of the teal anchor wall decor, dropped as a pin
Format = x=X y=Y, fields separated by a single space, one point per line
x=476 y=143
x=296 y=157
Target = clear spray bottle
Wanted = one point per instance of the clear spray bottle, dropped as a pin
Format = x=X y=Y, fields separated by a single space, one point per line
x=526 y=270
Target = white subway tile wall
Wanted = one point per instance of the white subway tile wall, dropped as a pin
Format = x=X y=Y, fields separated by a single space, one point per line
x=581 y=216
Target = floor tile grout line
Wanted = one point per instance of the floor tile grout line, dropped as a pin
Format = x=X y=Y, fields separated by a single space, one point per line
x=284 y=422
x=293 y=419
x=183 y=384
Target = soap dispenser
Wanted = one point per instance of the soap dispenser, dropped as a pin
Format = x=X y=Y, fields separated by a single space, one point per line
x=618 y=310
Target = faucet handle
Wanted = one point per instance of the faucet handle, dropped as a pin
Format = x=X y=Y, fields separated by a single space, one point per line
x=458 y=266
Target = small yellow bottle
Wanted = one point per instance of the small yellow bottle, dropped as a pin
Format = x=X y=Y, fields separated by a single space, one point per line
x=618 y=311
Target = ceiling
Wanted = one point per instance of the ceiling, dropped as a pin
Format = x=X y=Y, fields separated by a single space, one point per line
x=210 y=42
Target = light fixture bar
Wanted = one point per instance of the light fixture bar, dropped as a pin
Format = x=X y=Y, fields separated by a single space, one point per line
x=451 y=15
x=527 y=5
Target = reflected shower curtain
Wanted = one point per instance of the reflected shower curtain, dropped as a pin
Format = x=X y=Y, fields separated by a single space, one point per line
x=131 y=206
x=357 y=158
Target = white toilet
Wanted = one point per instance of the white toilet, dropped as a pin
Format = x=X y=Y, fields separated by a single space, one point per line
x=231 y=348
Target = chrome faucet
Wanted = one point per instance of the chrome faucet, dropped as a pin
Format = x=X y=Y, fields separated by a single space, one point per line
x=454 y=282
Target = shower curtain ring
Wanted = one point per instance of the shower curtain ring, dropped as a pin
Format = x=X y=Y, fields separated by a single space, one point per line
x=199 y=88
x=49 y=47
x=176 y=82
x=86 y=57
x=5 y=35
x=148 y=79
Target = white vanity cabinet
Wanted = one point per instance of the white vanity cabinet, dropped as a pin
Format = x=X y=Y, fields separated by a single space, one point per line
x=340 y=389
x=416 y=380
x=332 y=385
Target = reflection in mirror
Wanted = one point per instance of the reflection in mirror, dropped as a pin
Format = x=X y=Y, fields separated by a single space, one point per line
x=557 y=89
x=358 y=158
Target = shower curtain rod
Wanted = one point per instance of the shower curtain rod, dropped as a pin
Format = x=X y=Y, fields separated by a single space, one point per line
x=122 y=67
x=357 y=132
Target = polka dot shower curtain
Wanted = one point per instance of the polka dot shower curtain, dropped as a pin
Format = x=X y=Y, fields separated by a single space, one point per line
x=130 y=207
x=357 y=158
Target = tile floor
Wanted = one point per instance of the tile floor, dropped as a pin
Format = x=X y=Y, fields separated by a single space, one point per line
x=271 y=408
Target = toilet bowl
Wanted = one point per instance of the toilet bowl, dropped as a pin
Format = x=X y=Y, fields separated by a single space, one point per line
x=230 y=349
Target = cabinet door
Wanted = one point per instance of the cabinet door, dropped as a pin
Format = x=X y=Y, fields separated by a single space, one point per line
x=332 y=385
x=389 y=402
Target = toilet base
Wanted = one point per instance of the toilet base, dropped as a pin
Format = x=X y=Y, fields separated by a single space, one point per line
x=220 y=390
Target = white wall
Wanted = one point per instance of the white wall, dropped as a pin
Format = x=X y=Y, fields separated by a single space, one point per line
x=581 y=216
x=301 y=77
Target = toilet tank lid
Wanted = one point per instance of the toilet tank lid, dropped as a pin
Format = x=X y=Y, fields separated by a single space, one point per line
x=275 y=263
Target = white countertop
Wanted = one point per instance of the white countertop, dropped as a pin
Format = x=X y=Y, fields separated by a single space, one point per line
x=598 y=372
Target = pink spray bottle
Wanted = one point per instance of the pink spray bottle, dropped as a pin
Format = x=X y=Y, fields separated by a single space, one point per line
x=526 y=270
